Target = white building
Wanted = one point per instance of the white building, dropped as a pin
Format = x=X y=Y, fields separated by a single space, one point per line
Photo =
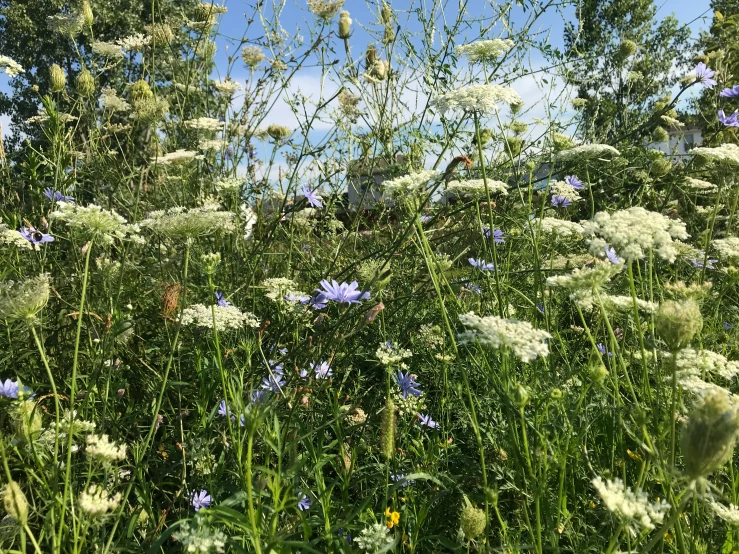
x=681 y=141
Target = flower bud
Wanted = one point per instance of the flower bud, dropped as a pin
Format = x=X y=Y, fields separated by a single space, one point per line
x=141 y=91
x=660 y=167
x=161 y=34
x=472 y=521
x=702 y=58
x=278 y=132
x=389 y=34
x=85 y=83
x=27 y=420
x=556 y=394
x=660 y=135
x=86 y=13
x=58 y=79
x=387 y=430
x=677 y=322
x=15 y=503
x=710 y=434
x=520 y=396
x=625 y=49
x=379 y=70
x=386 y=13
x=370 y=57
x=345 y=25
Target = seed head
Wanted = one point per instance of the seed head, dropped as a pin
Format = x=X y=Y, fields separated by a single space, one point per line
x=86 y=12
x=58 y=79
x=678 y=321
x=472 y=521
x=387 y=430
x=85 y=83
x=345 y=25
x=15 y=502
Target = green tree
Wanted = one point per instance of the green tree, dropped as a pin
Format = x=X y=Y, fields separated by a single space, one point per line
x=623 y=61
x=112 y=19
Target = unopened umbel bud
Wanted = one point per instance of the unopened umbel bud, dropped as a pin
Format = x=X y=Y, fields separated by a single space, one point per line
x=345 y=25
x=161 y=34
x=85 y=83
x=677 y=322
x=370 y=57
x=58 y=79
x=141 y=91
x=626 y=48
x=15 y=503
x=520 y=396
x=386 y=13
x=710 y=434
x=86 y=13
x=27 y=420
x=472 y=521
x=660 y=135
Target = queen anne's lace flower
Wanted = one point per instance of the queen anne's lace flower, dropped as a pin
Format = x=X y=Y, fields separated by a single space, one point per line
x=730 y=513
x=227 y=86
x=585 y=279
x=564 y=190
x=478 y=98
x=698 y=185
x=482 y=50
x=476 y=187
x=389 y=354
x=199 y=538
x=727 y=153
x=410 y=184
x=178 y=157
x=102 y=449
x=95 y=501
x=134 y=43
x=226 y=317
x=699 y=362
x=204 y=124
x=325 y=9
x=373 y=538
x=700 y=388
x=13 y=237
x=179 y=222
x=561 y=227
x=633 y=508
x=25 y=299
x=521 y=337
x=633 y=232
x=110 y=99
x=95 y=222
x=586 y=151
x=108 y=50
x=728 y=248
x=11 y=67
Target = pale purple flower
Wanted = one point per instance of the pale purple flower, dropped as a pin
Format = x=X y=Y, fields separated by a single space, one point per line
x=57 y=195
x=304 y=503
x=726 y=325
x=498 y=235
x=201 y=499
x=704 y=74
x=321 y=370
x=9 y=389
x=473 y=287
x=731 y=92
x=223 y=409
x=276 y=379
x=343 y=293
x=729 y=120
x=294 y=298
x=258 y=396
x=426 y=218
x=221 y=300
x=560 y=201
x=407 y=383
x=33 y=236
x=482 y=265
x=603 y=350
x=318 y=302
x=574 y=182
x=400 y=479
x=698 y=261
x=312 y=196
x=426 y=421
x=612 y=256
x=540 y=307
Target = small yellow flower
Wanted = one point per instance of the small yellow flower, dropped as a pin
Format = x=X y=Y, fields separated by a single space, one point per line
x=633 y=455
x=393 y=518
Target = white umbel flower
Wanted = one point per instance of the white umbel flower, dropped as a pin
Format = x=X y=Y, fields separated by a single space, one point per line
x=633 y=508
x=108 y=50
x=700 y=388
x=587 y=151
x=585 y=279
x=11 y=67
x=14 y=238
x=476 y=187
x=564 y=190
x=179 y=222
x=700 y=186
x=95 y=222
x=726 y=153
x=374 y=538
x=634 y=232
x=226 y=317
x=204 y=124
x=25 y=299
x=325 y=9
x=700 y=362
x=227 y=86
x=526 y=342
x=483 y=50
x=480 y=99
x=95 y=501
x=134 y=43
x=410 y=184
x=389 y=354
x=103 y=450
x=110 y=100
x=178 y=157
x=730 y=513
x=727 y=249
x=559 y=227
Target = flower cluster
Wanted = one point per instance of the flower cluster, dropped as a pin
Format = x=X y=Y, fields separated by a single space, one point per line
x=726 y=153
x=481 y=99
x=180 y=223
x=476 y=187
x=633 y=508
x=587 y=151
x=226 y=317
x=103 y=450
x=95 y=501
x=526 y=342
x=484 y=50
x=388 y=354
x=633 y=232
x=413 y=183
x=23 y=300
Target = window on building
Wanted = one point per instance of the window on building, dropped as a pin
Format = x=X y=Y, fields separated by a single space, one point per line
x=689 y=142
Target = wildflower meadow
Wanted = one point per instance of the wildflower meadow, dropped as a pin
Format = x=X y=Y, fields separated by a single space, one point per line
x=366 y=276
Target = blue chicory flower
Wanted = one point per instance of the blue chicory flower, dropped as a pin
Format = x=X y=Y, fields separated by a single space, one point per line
x=35 y=237
x=57 y=195
x=201 y=499
x=574 y=182
x=726 y=325
x=343 y=293
x=10 y=389
x=729 y=120
x=275 y=381
x=426 y=421
x=730 y=92
x=482 y=265
x=560 y=201
x=312 y=196
x=704 y=75
x=498 y=235
x=603 y=350
x=221 y=300
x=407 y=383
x=304 y=503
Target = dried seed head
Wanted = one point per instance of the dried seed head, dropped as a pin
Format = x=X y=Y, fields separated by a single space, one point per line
x=345 y=25
x=85 y=83
x=58 y=79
